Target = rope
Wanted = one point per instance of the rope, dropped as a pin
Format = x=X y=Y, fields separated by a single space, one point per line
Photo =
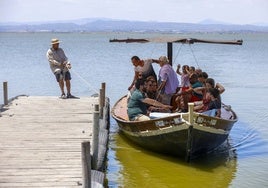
x=194 y=56
x=178 y=53
x=179 y=50
x=86 y=82
x=154 y=47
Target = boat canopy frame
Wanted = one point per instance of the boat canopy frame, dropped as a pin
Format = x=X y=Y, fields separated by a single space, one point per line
x=172 y=40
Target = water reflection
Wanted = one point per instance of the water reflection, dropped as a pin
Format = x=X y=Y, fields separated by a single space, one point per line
x=136 y=167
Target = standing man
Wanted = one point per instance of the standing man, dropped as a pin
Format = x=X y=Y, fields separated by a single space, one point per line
x=142 y=69
x=60 y=67
x=168 y=80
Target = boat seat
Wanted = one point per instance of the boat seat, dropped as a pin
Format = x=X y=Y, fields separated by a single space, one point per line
x=226 y=114
x=211 y=113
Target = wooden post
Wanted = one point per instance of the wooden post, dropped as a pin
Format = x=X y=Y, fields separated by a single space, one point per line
x=102 y=99
x=101 y=103
x=191 y=113
x=5 y=91
x=96 y=128
x=86 y=164
x=190 y=129
x=103 y=87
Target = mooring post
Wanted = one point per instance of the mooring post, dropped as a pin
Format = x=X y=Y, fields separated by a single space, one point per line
x=86 y=165
x=5 y=92
x=103 y=87
x=191 y=113
x=102 y=99
x=96 y=128
x=101 y=103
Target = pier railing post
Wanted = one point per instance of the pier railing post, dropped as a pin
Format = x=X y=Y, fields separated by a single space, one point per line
x=102 y=99
x=86 y=165
x=100 y=103
x=5 y=92
x=96 y=127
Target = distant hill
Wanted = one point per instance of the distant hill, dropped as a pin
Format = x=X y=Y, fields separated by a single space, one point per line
x=109 y=25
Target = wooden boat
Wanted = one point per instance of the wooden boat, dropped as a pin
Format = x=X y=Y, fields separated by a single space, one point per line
x=186 y=135
x=180 y=134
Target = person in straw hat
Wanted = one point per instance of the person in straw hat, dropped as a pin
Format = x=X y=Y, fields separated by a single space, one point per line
x=60 y=67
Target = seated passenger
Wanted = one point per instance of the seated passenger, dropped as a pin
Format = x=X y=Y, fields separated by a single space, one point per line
x=137 y=105
x=198 y=71
x=191 y=70
x=151 y=88
x=189 y=95
x=202 y=77
x=214 y=102
x=202 y=105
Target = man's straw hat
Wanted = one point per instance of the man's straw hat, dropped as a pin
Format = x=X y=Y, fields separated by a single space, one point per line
x=55 y=41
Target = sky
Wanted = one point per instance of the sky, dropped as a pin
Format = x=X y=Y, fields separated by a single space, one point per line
x=184 y=11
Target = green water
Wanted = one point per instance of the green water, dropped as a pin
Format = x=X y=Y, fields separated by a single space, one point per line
x=140 y=168
x=242 y=70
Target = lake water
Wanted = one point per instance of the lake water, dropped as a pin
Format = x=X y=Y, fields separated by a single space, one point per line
x=243 y=162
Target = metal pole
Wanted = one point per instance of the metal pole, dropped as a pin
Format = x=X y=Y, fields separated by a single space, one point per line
x=170 y=52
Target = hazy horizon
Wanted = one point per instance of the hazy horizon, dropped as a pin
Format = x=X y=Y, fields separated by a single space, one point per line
x=239 y=12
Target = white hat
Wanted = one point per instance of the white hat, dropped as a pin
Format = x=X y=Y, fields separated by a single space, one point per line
x=55 y=41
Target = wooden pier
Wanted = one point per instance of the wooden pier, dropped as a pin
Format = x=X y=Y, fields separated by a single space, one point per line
x=40 y=141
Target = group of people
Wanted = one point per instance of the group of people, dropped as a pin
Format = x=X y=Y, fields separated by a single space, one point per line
x=167 y=94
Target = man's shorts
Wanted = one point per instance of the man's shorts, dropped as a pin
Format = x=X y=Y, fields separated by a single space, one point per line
x=63 y=75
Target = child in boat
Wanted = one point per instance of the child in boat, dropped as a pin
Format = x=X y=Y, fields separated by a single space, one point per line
x=214 y=102
x=202 y=106
x=189 y=95
x=185 y=82
x=202 y=77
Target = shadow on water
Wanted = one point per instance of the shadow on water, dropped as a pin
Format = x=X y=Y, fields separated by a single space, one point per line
x=132 y=166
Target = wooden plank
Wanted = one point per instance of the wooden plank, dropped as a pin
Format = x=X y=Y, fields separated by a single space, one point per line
x=40 y=141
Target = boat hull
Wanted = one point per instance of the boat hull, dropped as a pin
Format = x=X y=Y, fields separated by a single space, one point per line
x=172 y=134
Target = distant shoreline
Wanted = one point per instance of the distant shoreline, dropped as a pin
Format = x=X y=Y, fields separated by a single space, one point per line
x=130 y=26
x=148 y=32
